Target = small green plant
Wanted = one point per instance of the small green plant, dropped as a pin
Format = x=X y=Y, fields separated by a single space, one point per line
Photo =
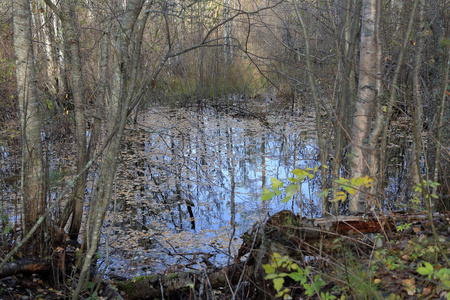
x=426 y=184
x=300 y=175
x=442 y=275
x=282 y=266
x=391 y=260
x=403 y=227
x=351 y=186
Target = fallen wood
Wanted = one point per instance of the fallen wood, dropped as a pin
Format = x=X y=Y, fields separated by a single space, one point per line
x=288 y=233
x=25 y=266
x=157 y=286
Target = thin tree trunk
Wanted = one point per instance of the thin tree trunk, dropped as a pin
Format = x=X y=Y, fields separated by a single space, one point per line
x=68 y=18
x=440 y=120
x=33 y=193
x=312 y=85
x=76 y=79
x=393 y=97
x=418 y=102
x=122 y=92
x=346 y=100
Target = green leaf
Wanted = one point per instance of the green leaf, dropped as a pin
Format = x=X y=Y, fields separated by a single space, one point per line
x=327 y=296
x=300 y=173
x=359 y=181
x=276 y=182
x=349 y=189
x=277 y=191
x=290 y=191
x=426 y=270
x=267 y=196
x=341 y=196
x=269 y=269
x=324 y=193
x=278 y=283
x=309 y=289
x=286 y=199
x=272 y=276
x=283 y=274
x=7 y=229
x=283 y=293
x=298 y=276
x=292 y=179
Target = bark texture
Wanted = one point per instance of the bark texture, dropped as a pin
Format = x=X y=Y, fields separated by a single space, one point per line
x=362 y=120
x=33 y=191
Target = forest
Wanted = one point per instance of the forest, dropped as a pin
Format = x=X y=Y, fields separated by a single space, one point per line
x=203 y=149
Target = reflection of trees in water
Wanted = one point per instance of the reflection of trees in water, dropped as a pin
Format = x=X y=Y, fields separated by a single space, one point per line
x=203 y=173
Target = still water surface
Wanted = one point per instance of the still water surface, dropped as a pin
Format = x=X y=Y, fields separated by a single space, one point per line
x=190 y=183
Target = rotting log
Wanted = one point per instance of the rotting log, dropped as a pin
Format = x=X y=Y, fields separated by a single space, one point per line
x=27 y=266
x=157 y=286
x=287 y=233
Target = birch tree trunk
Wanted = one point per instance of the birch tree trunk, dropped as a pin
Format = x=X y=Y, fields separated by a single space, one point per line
x=362 y=120
x=33 y=193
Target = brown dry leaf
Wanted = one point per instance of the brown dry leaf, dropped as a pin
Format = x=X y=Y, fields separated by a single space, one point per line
x=426 y=291
x=410 y=286
x=417 y=229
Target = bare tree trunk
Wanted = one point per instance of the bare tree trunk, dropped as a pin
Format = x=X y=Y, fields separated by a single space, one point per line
x=346 y=99
x=68 y=18
x=50 y=48
x=418 y=102
x=33 y=193
x=366 y=97
x=312 y=85
x=61 y=55
x=440 y=119
x=393 y=97
x=122 y=93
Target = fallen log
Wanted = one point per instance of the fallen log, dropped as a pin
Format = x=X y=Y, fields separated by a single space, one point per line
x=288 y=234
x=26 y=266
x=197 y=281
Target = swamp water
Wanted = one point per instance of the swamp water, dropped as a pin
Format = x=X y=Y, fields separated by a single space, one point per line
x=190 y=183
